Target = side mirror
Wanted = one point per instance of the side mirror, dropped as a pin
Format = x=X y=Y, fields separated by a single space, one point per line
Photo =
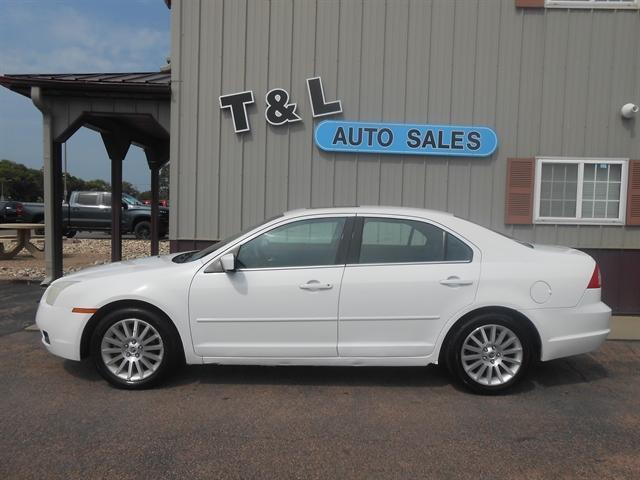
x=124 y=206
x=228 y=262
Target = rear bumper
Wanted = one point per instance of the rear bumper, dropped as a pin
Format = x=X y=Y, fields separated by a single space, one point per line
x=572 y=331
x=63 y=328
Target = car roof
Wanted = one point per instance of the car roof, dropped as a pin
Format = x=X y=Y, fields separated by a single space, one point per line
x=370 y=210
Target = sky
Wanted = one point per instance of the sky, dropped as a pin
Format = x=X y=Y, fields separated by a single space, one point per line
x=76 y=36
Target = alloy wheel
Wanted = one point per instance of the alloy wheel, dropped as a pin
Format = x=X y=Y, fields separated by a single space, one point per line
x=132 y=349
x=491 y=355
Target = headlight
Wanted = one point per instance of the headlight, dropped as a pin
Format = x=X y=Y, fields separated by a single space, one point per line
x=56 y=289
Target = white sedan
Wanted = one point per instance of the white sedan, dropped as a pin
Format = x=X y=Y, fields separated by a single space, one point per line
x=336 y=286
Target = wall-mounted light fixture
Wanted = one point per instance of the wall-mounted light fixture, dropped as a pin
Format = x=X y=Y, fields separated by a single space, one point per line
x=628 y=110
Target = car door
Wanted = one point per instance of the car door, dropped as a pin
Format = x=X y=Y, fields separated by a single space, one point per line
x=83 y=210
x=102 y=217
x=404 y=279
x=282 y=299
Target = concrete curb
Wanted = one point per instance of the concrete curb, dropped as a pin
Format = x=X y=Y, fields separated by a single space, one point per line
x=624 y=328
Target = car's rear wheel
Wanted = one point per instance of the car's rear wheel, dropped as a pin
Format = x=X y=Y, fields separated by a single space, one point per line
x=490 y=353
x=142 y=230
x=133 y=348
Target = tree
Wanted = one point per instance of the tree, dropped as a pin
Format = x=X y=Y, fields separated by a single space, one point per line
x=130 y=189
x=96 y=185
x=20 y=182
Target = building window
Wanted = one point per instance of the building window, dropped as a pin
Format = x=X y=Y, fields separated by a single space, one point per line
x=580 y=190
x=593 y=3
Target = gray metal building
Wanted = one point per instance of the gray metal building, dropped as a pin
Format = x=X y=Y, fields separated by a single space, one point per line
x=549 y=79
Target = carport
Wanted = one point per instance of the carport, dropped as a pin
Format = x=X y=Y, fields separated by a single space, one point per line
x=126 y=109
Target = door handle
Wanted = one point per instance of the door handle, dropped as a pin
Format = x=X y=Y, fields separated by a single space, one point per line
x=314 y=285
x=455 y=282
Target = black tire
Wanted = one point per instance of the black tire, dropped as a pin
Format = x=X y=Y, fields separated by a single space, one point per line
x=142 y=230
x=168 y=341
x=501 y=363
x=70 y=233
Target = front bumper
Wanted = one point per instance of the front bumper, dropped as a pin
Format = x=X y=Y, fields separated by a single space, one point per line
x=571 y=331
x=64 y=329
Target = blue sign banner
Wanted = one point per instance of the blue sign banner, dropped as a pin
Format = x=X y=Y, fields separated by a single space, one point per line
x=406 y=139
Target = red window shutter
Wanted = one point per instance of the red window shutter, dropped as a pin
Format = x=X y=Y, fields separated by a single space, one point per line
x=519 y=197
x=633 y=193
x=530 y=3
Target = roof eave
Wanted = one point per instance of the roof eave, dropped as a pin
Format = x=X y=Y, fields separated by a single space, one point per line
x=23 y=87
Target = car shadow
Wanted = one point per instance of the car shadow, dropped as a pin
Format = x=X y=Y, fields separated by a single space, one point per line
x=431 y=376
x=581 y=369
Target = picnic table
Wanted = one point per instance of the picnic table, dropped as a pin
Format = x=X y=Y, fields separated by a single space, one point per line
x=21 y=240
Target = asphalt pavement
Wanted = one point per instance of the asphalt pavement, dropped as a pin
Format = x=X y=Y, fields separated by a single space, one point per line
x=573 y=418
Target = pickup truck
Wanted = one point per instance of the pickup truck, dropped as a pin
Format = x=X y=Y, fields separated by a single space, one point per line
x=91 y=211
x=8 y=212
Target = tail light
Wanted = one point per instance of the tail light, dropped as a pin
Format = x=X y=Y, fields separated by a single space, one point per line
x=19 y=209
x=596 y=279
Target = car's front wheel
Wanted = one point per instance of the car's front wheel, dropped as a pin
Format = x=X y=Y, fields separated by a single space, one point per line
x=133 y=348
x=489 y=353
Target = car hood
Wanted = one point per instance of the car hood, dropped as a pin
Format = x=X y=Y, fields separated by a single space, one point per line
x=125 y=267
x=147 y=208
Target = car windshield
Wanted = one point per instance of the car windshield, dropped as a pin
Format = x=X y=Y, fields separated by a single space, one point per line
x=130 y=200
x=198 y=254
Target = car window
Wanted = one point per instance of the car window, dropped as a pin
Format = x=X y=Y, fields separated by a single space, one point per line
x=131 y=200
x=387 y=240
x=106 y=199
x=87 y=199
x=298 y=244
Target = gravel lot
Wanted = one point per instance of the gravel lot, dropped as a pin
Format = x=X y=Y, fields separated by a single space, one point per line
x=572 y=418
x=77 y=254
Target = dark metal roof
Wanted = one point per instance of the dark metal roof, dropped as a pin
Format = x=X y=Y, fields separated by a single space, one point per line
x=154 y=83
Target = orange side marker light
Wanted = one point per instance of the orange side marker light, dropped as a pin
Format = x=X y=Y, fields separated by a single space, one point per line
x=84 y=310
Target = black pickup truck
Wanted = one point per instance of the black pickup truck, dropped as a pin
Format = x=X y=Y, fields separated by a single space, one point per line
x=8 y=211
x=91 y=211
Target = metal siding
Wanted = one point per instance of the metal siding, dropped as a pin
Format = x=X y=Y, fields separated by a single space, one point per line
x=188 y=117
x=624 y=138
x=209 y=118
x=508 y=88
x=302 y=67
x=232 y=145
x=417 y=96
x=175 y=182
x=349 y=51
x=439 y=111
x=326 y=52
x=484 y=108
x=550 y=82
x=393 y=97
x=462 y=95
x=370 y=98
x=280 y=49
x=254 y=158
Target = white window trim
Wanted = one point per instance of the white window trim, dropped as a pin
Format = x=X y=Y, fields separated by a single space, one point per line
x=622 y=210
x=623 y=5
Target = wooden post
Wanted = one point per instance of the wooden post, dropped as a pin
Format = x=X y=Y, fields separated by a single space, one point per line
x=117 y=146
